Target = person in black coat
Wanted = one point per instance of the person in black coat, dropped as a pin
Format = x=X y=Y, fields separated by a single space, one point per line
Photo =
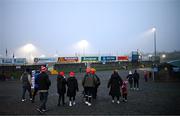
x=136 y=80
x=44 y=84
x=115 y=82
x=72 y=85
x=61 y=87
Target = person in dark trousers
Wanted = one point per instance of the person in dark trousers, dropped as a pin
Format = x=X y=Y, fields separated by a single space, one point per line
x=72 y=85
x=136 y=80
x=97 y=84
x=88 y=83
x=61 y=87
x=44 y=84
x=36 y=85
x=26 y=84
x=130 y=79
x=115 y=82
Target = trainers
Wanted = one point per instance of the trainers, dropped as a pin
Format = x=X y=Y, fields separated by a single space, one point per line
x=118 y=102
x=23 y=100
x=112 y=101
x=89 y=104
x=137 y=89
x=125 y=100
x=86 y=102
x=44 y=110
x=74 y=103
x=39 y=110
x=70 y=104
x=30 y=99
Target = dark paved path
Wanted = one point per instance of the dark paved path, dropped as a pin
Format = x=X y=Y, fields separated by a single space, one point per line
x=152 y=98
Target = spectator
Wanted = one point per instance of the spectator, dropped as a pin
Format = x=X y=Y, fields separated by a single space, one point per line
x=26 y=84
x=130 y=79
x=145 y=76
x=36 y=85
x=124 y=90
x=93 y=73
x=72 y=85
x=44 y=84
x=136 y=80
x=61 y=87
x=88 y=83
x=115 y=82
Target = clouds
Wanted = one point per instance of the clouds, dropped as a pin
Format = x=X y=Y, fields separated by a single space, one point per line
x=107 y=25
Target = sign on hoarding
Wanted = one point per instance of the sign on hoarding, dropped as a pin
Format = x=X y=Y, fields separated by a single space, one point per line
x=67 y=59
x=7 y=60
x=44 y=60
x=135 y=56
x=123 y=58
x=19 y=60
x=89 y=59
x=108 y=58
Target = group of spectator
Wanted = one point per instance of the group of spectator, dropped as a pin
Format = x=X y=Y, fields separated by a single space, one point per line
x=38 y=81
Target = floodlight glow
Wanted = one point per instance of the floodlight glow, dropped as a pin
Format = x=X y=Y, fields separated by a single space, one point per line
x=42 y=56
x=164 y=56
x=83 y=44
x=150 y=55
x=153 y=29
x=29 y=48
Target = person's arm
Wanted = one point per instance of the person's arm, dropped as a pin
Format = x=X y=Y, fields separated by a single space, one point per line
x=29 y=79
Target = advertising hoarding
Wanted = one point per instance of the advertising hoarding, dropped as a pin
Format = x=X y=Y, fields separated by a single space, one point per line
x=45 y=60
x=90 y=59
x=123 y=58
x=67 y=59
x=108 y=58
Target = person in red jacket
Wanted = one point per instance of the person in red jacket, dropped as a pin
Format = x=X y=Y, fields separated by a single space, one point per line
x=124 y=90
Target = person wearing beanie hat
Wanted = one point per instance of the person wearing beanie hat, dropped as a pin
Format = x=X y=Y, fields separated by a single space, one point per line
x=88 y=82
x=43 y=69
x=44 y=84
x=130 y=79
x=61 y=87
x=72 y=85
x=93 y=72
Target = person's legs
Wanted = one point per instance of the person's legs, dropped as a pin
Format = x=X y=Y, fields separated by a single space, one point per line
x=45 y=94
x=86 y=94
x=34 y=94
x=118 y=99
x=112 y=98
x=59 y=99
x=30 y=93
x=137 y=84
x=63 y=100
x=90 y=95
x=74 y=100
x=23 y=93
x=70 y=101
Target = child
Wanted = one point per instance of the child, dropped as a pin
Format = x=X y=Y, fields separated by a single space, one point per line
x=72 y=88
x=61 y=87
x=124 y=91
